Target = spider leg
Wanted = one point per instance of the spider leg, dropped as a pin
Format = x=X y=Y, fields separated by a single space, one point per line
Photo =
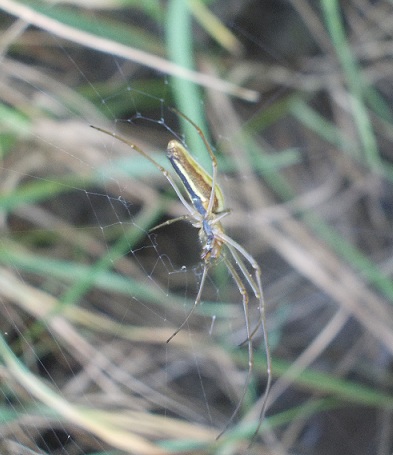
x=236 y=250
x=152 y=161
x=262 y=322
x=196 y=302
x=254 y=286
x=251 y=281
x=254 y=331
x=220 y=215
x=245 y=299
x=168 y=222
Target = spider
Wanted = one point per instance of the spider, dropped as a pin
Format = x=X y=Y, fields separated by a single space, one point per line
x=205 y=211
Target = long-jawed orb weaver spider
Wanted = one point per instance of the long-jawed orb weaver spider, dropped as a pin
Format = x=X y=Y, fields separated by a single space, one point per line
x=205 y=212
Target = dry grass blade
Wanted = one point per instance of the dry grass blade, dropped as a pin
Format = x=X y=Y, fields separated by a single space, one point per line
x=95 y=42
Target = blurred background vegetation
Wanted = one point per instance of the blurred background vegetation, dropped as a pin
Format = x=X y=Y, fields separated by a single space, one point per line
x=295 y=96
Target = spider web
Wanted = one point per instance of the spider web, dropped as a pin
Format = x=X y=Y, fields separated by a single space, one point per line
x=93 y=323
x=90 y=295
x=112 y=268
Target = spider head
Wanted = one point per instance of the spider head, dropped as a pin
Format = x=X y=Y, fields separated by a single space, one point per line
x=211 y=243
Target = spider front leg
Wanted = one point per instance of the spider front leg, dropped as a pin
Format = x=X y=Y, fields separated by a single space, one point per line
x=239 y=253
x=245 y=300
x=196 y=302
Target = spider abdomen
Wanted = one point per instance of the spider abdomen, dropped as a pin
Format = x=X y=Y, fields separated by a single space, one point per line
x=195 y=179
